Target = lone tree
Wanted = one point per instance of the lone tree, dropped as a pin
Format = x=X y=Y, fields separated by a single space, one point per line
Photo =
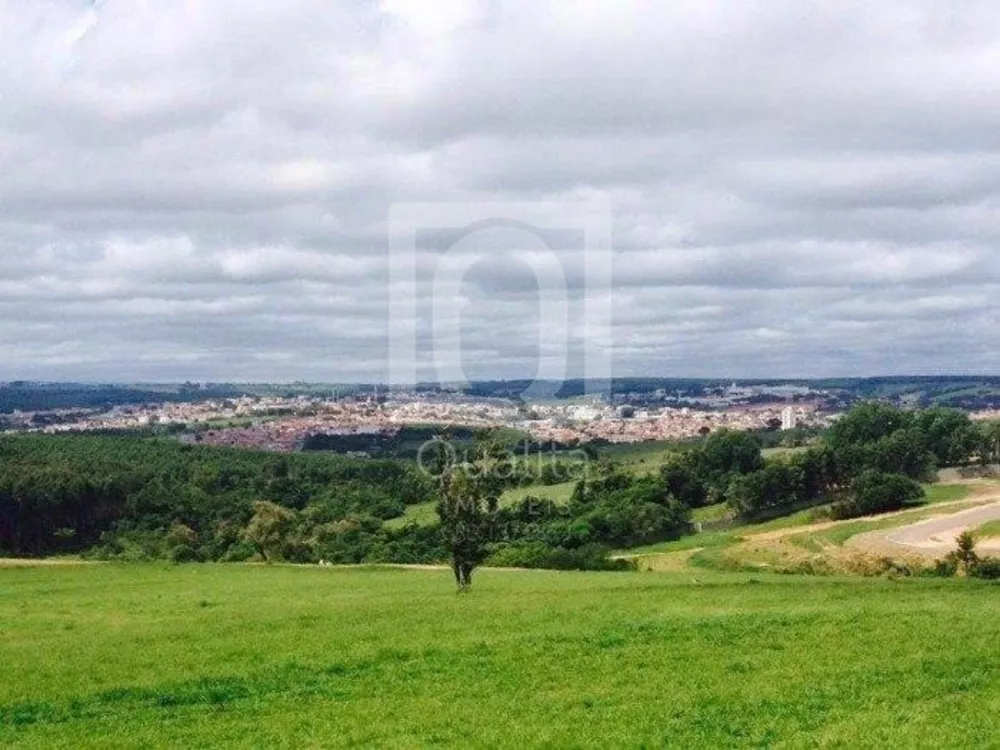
x=965 y=553
x=269 y=529
x=467 y=506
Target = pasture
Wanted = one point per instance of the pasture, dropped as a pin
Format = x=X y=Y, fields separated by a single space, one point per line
x=425 y=514
x=113 y=655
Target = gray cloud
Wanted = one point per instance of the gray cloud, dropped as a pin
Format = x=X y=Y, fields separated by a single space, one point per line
x=204 y=190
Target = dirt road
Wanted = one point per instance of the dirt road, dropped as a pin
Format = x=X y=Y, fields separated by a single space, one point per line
x=932 y=537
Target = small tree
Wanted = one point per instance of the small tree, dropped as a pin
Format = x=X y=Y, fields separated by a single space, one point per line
x=270 y=528
x=467 y=506
x=965 y=552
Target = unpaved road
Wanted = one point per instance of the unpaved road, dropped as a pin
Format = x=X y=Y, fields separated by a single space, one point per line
x=932 y=537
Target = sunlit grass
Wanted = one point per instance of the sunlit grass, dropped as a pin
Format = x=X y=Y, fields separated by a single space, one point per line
x=425 y=514
x=171 y=656
x=990 y=530
x=560 y=493
x=422 y=514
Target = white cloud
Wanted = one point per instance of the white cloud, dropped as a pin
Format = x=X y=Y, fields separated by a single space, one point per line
x=201 y=189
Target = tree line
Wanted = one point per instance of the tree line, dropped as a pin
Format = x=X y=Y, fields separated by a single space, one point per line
x=134 y=498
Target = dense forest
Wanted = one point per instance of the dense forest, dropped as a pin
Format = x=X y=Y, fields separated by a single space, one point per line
x=25 y=396
x=123 y=497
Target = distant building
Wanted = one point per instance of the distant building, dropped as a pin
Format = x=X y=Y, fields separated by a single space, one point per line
x=787 y=418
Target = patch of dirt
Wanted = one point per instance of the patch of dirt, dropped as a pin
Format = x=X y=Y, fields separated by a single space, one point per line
x=979 y=496
x=870 y=556
x=933 y=537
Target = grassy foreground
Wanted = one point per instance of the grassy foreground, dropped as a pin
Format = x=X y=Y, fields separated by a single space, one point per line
x=214 y=655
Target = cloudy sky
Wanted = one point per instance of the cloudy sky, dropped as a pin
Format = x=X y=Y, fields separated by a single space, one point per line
x=222 y=190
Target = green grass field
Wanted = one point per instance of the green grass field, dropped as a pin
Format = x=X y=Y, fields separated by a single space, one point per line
x=560 y=493
x=989 y=530
x=425 y=514
x=422 y=514
x=643 y=457
x=257 y=656
x=945 y=493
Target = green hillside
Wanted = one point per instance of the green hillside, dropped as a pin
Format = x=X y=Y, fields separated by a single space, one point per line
x=252 y=656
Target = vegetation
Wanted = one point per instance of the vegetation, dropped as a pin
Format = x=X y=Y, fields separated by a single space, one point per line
x=988 y=530
x=186 y=656
x=469 y=494
x=966 y=559
x=560 y=494
x=874 y=492
x=539 y=554
x=872 y=458
x=802 y=542
x=987 y=568
x=965 y=552
x=24 y=396
x=117 y=497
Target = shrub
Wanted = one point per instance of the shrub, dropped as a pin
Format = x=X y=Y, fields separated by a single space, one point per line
x=870 y=565
x=987 y=568
x=541 y=555
x=183 y=553
x=239 y=552
x=965 y=553
x=945 y=568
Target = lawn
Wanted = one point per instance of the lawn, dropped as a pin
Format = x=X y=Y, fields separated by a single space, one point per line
x=560 y=493
x=258 y=656
x=712 y=513
x=644 y=457
x=945 y=493
x=989 y=530
x=425 y=514
x=422 y=514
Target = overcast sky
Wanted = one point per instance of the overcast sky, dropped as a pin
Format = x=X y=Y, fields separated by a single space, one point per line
x=203 y=190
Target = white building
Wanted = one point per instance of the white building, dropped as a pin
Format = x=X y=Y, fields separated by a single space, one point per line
x=787 y=418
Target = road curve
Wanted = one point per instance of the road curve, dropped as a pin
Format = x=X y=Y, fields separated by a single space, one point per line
x=933 y=537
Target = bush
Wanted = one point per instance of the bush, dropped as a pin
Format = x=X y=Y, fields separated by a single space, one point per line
x=541 y=555
x=946 y=568
x=987 y=568
x=183 y=553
